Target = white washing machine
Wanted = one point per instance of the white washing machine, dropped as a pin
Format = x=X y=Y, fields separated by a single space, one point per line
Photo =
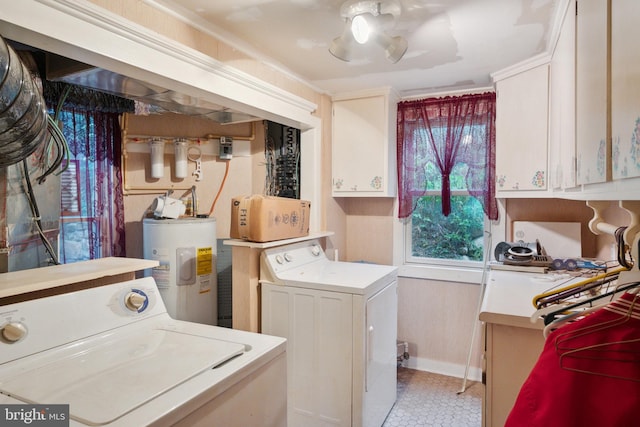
x=116 y=358
x=340 y=322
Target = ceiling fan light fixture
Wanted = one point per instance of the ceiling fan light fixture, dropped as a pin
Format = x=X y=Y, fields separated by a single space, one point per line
x=361 y=27
x=367 y=20
x=395 y=50
x=340 y=50
x=342 y=47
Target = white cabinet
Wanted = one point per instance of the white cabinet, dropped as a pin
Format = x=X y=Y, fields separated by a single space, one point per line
x=593 y=110
x=625 y=88
x=522 y=107
x=607 y=106
x=364 y=145
x=562 y=105
x=591 y=92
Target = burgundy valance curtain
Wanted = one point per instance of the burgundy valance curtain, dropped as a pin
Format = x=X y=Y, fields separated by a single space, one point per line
x=447 y=131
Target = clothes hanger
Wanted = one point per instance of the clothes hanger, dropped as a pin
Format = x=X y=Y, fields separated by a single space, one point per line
x=563 y=307
x=568 y=318
x=556 y=305
x=589 y=302
x=589 y=286
x=573 y=316
x=578 y=287
x=621 y=354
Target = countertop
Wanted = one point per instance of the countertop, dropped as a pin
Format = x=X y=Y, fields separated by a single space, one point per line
x=508 y=296
x=45 y=278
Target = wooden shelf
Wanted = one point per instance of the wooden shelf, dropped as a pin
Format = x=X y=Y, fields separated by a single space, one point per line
x=40 y=282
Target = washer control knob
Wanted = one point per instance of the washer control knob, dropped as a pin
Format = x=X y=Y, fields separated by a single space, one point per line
x=14 y=331
x=315 y=250
x=134 y=301
x=279 y=259
x=288 y=257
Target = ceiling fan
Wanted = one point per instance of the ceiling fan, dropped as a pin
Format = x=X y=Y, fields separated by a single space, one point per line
x=367 y=21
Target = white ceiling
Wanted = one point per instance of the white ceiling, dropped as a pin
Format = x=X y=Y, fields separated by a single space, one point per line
x=453 y=44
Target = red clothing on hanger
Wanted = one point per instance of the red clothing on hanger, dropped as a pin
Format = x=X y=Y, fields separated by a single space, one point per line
x=573 y=384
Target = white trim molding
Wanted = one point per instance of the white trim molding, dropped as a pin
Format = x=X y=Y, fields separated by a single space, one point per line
x=85 y=32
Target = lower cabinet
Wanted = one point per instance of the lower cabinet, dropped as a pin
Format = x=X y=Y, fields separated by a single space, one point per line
x=510 y=354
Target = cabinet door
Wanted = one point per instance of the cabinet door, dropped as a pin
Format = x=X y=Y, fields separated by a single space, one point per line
x=562 y=113
x=360 y=146
x=591 y=91
x=510 y=354
x=521 y=130
x=318 y=326
x=625 y=88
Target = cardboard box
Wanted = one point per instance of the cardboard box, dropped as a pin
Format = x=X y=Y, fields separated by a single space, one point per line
x=260 y=218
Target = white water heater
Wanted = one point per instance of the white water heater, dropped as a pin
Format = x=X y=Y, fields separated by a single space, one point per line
x=186 y=276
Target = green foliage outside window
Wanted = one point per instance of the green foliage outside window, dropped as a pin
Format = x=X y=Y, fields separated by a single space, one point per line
x=457 y=237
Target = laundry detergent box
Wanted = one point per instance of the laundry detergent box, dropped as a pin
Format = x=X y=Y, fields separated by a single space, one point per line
x=260 y=218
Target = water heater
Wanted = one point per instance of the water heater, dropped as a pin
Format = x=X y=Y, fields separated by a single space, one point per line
x=186 y=277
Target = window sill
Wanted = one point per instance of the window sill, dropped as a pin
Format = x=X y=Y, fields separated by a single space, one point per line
x=441 y=273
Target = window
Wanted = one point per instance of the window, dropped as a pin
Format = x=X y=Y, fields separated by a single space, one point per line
x=91 y=203
x=446 y=178
x=458 y=236
x=92 y=220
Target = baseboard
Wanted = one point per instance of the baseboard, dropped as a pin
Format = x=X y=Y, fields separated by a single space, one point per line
x=443 y=368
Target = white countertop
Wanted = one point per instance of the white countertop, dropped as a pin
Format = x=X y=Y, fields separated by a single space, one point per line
x=37 y=279
x=508 y=298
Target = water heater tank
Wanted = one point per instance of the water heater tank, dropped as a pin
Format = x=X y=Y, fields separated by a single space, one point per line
x=186 y=276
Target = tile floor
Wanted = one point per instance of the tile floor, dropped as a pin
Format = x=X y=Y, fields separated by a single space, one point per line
x=427 y=399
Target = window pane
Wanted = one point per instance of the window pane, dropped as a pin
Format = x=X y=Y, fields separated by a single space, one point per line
x=457 y=178
x=459 y=236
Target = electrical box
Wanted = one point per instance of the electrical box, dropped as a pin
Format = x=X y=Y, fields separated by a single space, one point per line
x=226 y=148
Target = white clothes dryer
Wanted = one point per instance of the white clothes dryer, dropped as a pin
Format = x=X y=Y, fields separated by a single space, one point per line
x=340 y=322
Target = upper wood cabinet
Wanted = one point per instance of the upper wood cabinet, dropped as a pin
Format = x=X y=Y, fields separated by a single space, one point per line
x=522 y=106
x=364 y=145
x=562 y=105
x=592 y=137
x=625 y=88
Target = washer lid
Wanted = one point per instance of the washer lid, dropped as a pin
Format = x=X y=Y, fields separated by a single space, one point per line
x=102 y=381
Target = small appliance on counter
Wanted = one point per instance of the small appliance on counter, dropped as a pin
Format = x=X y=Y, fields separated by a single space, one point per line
x=533 y=256
x=522 y=254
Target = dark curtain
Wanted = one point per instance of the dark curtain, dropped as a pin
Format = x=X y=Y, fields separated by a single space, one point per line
x=90 y=123
x=94 y=140
x=447 y=131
